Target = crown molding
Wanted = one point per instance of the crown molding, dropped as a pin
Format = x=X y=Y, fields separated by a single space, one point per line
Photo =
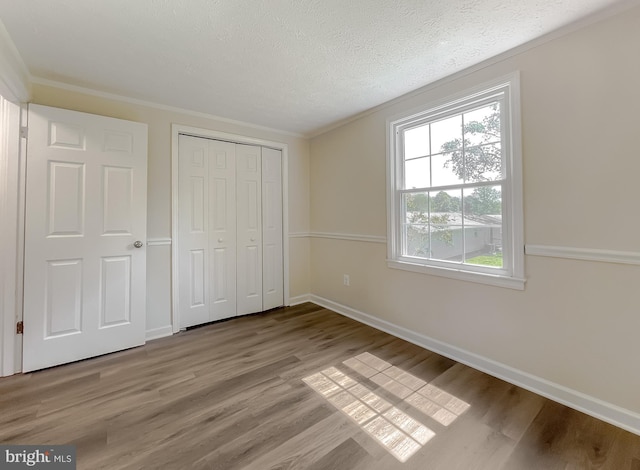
x=150 y=104
x=15 y=79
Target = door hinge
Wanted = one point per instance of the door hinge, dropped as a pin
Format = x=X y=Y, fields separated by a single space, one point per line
x=24 y=132
x=19 y=328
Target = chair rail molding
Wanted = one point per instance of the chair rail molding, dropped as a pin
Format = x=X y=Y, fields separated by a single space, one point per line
x=299 y=235
x=349 y=237
x=584 y=254
x=158 y=241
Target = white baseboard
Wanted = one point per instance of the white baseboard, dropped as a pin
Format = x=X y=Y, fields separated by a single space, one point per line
x=621 y=417
x=159 y=332
x=300 y=299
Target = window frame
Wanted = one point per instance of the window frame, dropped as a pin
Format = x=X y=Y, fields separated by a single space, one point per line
x=511 y=275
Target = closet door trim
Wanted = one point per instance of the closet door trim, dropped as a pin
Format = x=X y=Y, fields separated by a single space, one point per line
x=178 y=129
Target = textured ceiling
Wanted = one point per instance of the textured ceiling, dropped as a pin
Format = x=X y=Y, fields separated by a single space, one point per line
x=294 y=65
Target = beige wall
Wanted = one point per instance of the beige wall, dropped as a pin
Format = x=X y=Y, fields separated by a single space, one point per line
x=159 y=186
x=577 y=323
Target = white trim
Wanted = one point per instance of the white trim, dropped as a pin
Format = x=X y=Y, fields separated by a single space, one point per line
x=299 y=235
x=175 y=204
x=349 y=237
x=158 y=241
x=156 y=333
x=507 y=88
x=586 y=254
x=460 y=274
x=9 y=128
x=285 y=221
x=151 y=104
x=14 y=75
x=299 y=299
x=22 y=197
x=354 y=237
x=11 y=173
x=613 y=414
x=226 y=136
x=176 y=130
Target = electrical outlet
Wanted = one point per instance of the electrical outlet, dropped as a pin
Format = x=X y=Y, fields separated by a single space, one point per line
x=346 y=280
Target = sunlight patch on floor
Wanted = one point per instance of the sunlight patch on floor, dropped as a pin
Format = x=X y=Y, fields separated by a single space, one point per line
x=395 y=430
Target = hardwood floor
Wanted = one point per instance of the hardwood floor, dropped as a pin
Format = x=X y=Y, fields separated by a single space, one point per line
x=273 y=391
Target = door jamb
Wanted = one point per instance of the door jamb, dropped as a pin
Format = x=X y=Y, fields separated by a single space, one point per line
x=176 y=130
x=12 y=250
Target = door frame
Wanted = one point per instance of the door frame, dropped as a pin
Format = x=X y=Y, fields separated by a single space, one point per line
x=176 y=130
x=12 y=197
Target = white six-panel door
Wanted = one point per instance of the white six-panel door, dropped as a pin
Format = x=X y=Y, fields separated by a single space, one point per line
x=85 y=281
x=207 y=231
x=229 y=230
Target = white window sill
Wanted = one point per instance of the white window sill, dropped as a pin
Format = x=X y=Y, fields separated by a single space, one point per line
x=460 y=274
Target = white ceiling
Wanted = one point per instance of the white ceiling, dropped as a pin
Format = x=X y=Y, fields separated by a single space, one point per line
x=293 y=65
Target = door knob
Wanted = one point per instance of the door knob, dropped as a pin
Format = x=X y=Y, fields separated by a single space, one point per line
x=138 y=244
x=219 y=240
x=253 y=239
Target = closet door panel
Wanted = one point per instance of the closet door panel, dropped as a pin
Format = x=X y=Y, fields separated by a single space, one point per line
x=222 y=229
x=193 y=251
x=249 y=228
x=272 y=259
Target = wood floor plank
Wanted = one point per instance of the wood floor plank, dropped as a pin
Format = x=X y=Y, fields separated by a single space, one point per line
x=513 y=412
x=308 y=447
x=349 y=454
x=232 y=395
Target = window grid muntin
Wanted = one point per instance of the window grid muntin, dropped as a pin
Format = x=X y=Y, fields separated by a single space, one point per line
x=457 y=109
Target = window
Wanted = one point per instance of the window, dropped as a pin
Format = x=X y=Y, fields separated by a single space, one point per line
x=455 y=188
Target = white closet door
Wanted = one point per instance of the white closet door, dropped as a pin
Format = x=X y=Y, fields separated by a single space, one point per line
x=207 y=236
x=249 y=225
x=272 y=259
x=230 y=252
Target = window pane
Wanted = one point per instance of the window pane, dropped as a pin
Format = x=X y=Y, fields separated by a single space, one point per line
x=446 y=135
x=446 y=201
x=445 y=226
x=416 y=173
x=416 y=142
x=483 y=163
x=416 y=229
x=416 y=207
x=483 y=226
x=416 y=240
x=446 y=169
x=446 y=238
x=482 y=125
